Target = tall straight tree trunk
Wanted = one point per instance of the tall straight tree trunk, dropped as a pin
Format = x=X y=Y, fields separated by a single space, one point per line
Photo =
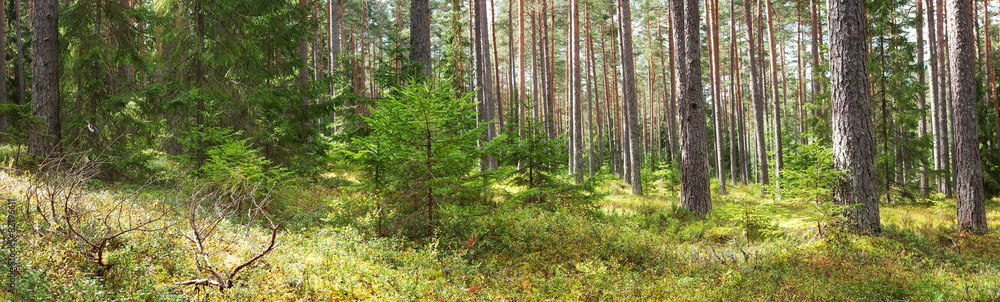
x=969 y=177
x=934 y=89
x=921 y=99
x=22 y=94
x=695 y=195
x=420 y=35
x=334 y=39
x=303 y=80
x=591 y=96
x=803 y=113
x=735 y=154
x=628 y=91
x=778 y=160
x=3 y=68
x=758 y=98
x=672 y=106
x=816 y=41
x=712 y=11
x=484 y=80
x=992 y=74
x=576 y=127
x=853 y=146
x=45 y=83
x=944 y=184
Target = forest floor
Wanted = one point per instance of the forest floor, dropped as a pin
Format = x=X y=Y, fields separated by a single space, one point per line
x=628 y=248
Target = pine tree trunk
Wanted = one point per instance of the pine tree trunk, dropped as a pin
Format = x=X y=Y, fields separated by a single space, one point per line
x=853 y=148
x=484 y=80
x=695 y=195
x=942 y=101
x=816 y=41
x=672 y=106
x=713 y=25
x=778 y=158
x=3 y=70
x=921 y=98
x=576 y=118
x=45 y=82
x=21 y=89
x=420 y=35
x=628 y=91
x=969 y=177
x=758 y=98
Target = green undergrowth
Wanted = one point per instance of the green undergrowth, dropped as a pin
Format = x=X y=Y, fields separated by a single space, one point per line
x=626 y=248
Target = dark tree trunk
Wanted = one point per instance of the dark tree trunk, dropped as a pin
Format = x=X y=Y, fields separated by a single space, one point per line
x=853 y=148
x=21 y=90
x=420 y=35
x=695 y=195
x=758 y=98
x=628 y=91
x=45 y=84
x=3 y=69
x=484 y=81
x=962 y=81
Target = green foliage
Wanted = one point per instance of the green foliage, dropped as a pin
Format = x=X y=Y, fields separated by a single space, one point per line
x=536 y=162
x=668 y=172
x=232 y=166
x=810 y=177
x=420 y=154
x=753 y=218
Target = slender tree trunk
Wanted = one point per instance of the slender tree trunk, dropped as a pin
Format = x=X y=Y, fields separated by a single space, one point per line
x=944 y=184
x=969 y=179
x=484 y=80
x=778 y=160
x=758 y=98
x=992 y=74
x=672 y=106
x=853 y=148
x=712 y=11
x=21 y=90
x=3 y=69
x=591 y=95
x=576 y=118
x=816 y=41
x=628 y=91
x=803 y=113
x=921 y=99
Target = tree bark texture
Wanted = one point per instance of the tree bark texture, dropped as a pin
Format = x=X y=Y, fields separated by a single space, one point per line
x=695 y=195
x=853 y=146
x=45 y=85
x=962 y=81
x=420 y=35
x=628 y=91
x=758 y=98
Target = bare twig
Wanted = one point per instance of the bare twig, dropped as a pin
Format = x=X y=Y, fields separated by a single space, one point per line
x=203 y=226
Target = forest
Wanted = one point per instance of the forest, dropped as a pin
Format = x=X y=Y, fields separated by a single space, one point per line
x=499 y=150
